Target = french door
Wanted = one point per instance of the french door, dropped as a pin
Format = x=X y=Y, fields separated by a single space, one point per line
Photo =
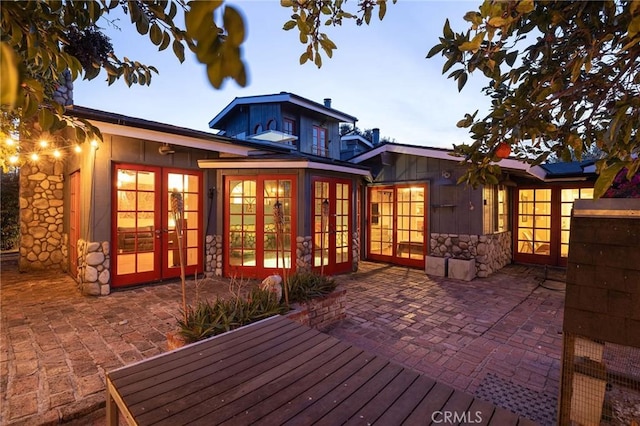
x=543 y=218
x=145 y=237
x=259 y=224
x=398 y=224
x=332 y=219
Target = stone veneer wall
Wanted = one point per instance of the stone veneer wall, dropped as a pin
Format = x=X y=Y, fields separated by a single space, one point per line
x=43 y=243
x=213 y=256
x=491 y=252
x=94 y=268
x=304 y=247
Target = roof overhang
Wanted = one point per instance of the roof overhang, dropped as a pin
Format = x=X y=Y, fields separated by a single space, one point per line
x=280 y=98
x=281 y=164
x=507 y=164
x=173 y=139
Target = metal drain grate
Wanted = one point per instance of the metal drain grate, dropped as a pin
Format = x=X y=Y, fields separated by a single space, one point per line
x=536 y=406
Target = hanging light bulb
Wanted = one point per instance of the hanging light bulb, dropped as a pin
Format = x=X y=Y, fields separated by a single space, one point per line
x=44 y=143
x=77 y=149
x=13 y=159
x=10 y=141
x=56 y=154
x=35 y=157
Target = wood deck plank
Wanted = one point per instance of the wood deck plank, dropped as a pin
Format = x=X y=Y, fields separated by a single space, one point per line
x=152 y=406
x=228 y=392
x=266 y=385
x=376 y=407
x=326 y=399
x=268 y=401
x=277 y=371
x=407 y=402
x=502 y=417
x=480 y=412
x=433 y=401
x=322 y=385
x=457 y=407
x=188 y=361
x=136 y=371
x=358 y=399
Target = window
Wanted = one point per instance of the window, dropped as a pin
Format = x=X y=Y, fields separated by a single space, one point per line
x=257 y=129
x=496 y=209
x=271 y=125
x=567 y=197
x=289 y=126
x=320 y=144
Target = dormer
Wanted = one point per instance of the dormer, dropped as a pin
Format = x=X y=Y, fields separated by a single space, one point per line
x=285 y=118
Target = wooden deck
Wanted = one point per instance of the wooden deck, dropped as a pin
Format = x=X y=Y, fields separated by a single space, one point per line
x=279 y=372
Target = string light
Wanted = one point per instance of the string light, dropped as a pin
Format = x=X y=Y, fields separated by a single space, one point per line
x=13 y=159
x=34 y=156
x=77 y=149
x=44 y=143
x=10 y=141
x=57 y=154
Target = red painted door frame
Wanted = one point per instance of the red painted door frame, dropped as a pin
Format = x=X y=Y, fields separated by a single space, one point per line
x=333 y=267
x=160 y=232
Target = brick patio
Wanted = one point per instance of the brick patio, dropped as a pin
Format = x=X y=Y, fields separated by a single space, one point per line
x=498 y=337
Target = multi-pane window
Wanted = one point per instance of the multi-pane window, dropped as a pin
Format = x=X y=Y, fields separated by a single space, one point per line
x=534 y=221
x=495 y=209
x=289 y=126
x=320 y=144
x=567 y=197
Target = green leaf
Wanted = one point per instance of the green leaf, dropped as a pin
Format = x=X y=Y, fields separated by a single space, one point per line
x=234 y=25
x=289 y=25
x=155 y=34
x=166 y=39
x=525 y=6
x=435 y=49
x=10 y=80
x=178 y=50
x=462 y=80
x=605 y=178
x=448 y=33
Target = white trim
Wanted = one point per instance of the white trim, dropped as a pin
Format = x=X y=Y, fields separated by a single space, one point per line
x=170 y=138
x=279 y=164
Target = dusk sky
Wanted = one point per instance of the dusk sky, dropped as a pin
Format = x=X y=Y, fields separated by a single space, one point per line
x=379 y=73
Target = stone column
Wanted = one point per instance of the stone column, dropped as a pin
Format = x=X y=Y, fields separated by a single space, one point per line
x=42 y=237
x=304 y=248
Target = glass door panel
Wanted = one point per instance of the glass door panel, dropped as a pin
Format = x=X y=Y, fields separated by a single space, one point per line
x=189 y=187
x=567 y=197
x=397 y=224
x=255 y=247
x=321 y=223
x=381 y=221
x=534 y=222
x=277 y=208
x=136 y=242
x=410 y=223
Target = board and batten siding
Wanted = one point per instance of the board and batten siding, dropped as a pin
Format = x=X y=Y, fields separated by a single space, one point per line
x=453 y=209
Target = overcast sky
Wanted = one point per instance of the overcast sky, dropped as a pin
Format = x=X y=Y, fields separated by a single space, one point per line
x=378 y=74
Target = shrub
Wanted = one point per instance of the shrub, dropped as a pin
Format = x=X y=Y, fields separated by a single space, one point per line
x=304 y=286
x=10 y=211
x=209 y=319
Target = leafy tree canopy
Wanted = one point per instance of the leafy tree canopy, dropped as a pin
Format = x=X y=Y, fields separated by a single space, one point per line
x=572 y=86
x=41 y=39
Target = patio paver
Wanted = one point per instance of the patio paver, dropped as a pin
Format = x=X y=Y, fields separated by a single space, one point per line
x=503 y=330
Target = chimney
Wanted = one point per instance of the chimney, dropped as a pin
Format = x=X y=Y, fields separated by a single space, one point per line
x=327 y=102
x=375 y=135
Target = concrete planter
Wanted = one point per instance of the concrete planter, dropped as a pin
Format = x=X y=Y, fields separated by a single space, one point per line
x=436 y=266
x=461 y=269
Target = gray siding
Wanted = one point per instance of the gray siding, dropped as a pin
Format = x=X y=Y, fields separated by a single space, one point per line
x=453 y=209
